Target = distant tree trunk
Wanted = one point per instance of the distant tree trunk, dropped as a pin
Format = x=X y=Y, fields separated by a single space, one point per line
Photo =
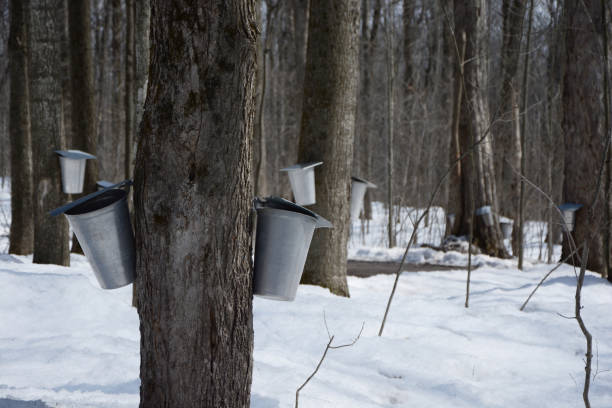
x=50 y=233
x=507 y=132
x=582 y=125
x=327 y=131
x=471 y=19
x=129 y=89
x=369 y=49
x=21 y=238
x=192 y=202
x=115 y=143
x=142 y=16
x=390 y=74
x=82 y=96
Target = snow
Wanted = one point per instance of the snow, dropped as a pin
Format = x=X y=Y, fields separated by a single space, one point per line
x=71 y=344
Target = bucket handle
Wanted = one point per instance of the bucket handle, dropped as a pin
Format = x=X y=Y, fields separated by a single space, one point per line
x=69 y=206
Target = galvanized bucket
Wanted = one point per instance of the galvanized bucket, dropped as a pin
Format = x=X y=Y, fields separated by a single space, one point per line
x=486 y=214
x=301 y=177
x=451 y=219
x=101 y=222
x=358 y=190
x=506 y=226
x=284 y=232
x=72 y=163
x=569 y=214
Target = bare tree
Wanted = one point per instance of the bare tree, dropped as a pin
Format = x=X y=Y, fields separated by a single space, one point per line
x=82 y=92
x=507 y=140
x=192 y=204
x=50 y=233
x=477 y=176
x=22 y=222
x=582 y=125
x=327 y=130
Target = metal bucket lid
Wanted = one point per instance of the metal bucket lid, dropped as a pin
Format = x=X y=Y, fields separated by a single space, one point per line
x=360 y=180
x=282 y=204
x=484 y=210
x=98 y=203
x=570 y=207
x=67 y=207
x=301 y=166
x=74 y=154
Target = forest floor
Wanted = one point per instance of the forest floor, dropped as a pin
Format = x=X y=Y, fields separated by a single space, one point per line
x=68 y=343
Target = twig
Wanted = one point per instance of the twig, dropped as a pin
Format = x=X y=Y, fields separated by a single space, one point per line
x=327 y=348
x=587 y=335
x=547 y=275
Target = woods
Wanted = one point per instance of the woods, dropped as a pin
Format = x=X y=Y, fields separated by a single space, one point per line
x=466 y=115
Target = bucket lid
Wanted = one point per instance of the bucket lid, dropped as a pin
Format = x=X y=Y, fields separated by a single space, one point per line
x=505 y=220
x=104 y=183
x=69 y=206
x=570 y=207
x=484 y=210
x=75 y=154
x=282 y=204
x=360 y=180
x=301 y=166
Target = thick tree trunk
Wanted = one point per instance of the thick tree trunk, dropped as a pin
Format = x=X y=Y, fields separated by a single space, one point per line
x=327 y=131
x=478 y=183
x=50 y=233
x=21 y=236
x=582 y=126
x=192 y=202
x=82 y=95
x=507 y=132
x=142 y=16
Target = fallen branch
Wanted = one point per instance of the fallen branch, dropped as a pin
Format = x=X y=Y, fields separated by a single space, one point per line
x=547 y=275
x=327 y=348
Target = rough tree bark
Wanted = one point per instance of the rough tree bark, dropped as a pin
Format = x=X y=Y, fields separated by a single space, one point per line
x=192 y=202
x=507 y=130
x=327 y=130
x=474 y=121
x=50 y=233
x=582 y=125
x=82 y=94
x=21 y=236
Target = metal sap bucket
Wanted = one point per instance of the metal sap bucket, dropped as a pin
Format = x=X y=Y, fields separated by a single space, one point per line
x=102 y=184
x=486 y=214
x=72 y=163
x=358 y=190
x=101 y=222
x=284 y=232
x=301 y=177
x=506 y=225
x=569 y=214
x=450 y=218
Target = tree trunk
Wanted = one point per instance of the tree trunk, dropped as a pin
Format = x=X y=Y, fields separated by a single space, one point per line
x=82 y=96
x=50 y=233
x=478 y=184
x=390 y=66
x=507 y=133
x=129 y=89
x=142 y=16
x=327 y=131
x=192 y=202
x=583 y=127
x=21 y=236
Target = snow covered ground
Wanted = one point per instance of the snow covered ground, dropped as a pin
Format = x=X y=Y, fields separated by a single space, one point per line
x=71 y=344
